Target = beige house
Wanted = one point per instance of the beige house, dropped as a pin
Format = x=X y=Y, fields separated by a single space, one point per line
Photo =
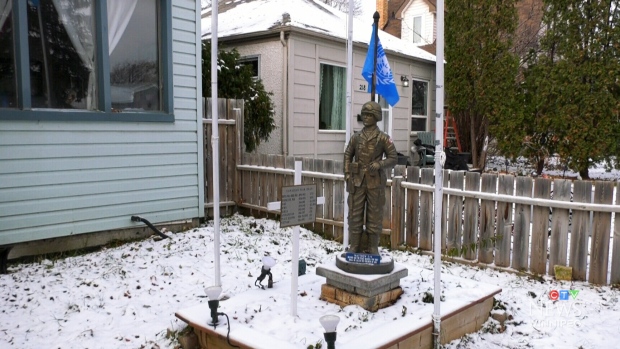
x=298 y=49
x=414 y=21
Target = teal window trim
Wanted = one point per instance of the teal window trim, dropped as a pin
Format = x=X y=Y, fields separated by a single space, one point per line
x=165 y=34
x=102 y=50
x=22 y=62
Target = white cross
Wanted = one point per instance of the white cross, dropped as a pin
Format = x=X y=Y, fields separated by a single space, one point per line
x=273 y=206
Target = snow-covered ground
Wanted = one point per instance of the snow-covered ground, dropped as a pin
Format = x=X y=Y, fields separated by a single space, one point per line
x=126 y=296
x=553 y=167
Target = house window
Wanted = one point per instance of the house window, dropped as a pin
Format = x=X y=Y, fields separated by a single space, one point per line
x=59 y=59
x=8 y=89
x=419 y=105
x=417 y=29
x=61 y=48
x=134 y=74
x=385 y=123
x=332 y=97
x=254 y=63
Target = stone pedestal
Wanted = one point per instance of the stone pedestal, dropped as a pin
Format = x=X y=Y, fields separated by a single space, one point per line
x=371 y=292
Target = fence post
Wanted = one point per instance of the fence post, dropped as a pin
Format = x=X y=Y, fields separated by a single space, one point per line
x=339 y=199
x=521 y=237
x=398 y=203
x=505 y=186
x=426 y=211
x=601 y=225
x=615 y=257
x=470 y=219
x=412 y=207
x=559 y=226
x=540 y=227
x=487 y=219
x=455 y=212
x=582 y=192
x=444 y=211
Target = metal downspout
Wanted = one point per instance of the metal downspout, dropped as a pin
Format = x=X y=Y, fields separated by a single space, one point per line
x=284 y=93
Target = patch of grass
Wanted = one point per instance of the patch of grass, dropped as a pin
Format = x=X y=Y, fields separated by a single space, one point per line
x=317 y=345
x=428 y=297
x=498 y=305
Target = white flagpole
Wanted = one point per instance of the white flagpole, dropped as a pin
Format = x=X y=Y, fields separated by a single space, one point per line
x=439 y=88
x=295 y=252
x=345 y=237
x=215 y=146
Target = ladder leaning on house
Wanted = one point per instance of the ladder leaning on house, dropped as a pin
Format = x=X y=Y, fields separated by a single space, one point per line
x=450 y=133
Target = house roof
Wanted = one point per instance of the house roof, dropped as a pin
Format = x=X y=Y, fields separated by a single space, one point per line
x=401 y=6
x=431 y=48
x=239 y=17
x=393 y=25
x=395 y=12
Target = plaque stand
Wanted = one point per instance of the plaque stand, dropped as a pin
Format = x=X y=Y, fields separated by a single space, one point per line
x=298 y=206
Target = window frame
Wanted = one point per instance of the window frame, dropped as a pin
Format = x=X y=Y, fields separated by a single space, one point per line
x=318 y=114
x=252 y=58
x=414 y=34
x=428 y=109
x=24 y=110
x=386 y=114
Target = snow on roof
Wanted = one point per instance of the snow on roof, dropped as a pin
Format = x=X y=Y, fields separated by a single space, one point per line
x=238 y=17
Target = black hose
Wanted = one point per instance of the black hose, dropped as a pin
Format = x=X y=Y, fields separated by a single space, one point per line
x=140 y=219
x=228 y=334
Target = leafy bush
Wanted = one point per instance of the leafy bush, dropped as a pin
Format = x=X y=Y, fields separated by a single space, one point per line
x=236 y=81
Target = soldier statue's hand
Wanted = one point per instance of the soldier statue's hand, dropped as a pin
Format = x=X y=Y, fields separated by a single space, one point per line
x=375 y=166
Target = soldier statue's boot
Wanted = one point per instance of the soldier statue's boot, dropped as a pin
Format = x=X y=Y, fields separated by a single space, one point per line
x=354 y=240
x=373 y=243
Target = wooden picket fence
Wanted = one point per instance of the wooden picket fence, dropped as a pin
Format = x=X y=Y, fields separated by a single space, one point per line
x=263 y=176
x=511 y=222
x=230 y=139
x=520 y=222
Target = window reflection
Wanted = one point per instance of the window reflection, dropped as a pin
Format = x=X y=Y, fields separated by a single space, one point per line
x=134 y=60
x=419 y=98
x=8 y=90
x=418 y=124
x=61 y=46
x=332 y=97
x=419 y=105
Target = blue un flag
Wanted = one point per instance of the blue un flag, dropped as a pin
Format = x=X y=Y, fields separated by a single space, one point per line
x=386 y=86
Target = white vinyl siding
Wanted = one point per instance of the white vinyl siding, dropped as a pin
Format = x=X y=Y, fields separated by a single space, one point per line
x=420 y=9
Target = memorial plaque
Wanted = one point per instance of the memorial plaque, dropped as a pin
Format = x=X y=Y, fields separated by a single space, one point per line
x=298 y=205
x=363 y=258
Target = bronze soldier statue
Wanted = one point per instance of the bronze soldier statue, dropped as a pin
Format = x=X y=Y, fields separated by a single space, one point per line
x=364 y=173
